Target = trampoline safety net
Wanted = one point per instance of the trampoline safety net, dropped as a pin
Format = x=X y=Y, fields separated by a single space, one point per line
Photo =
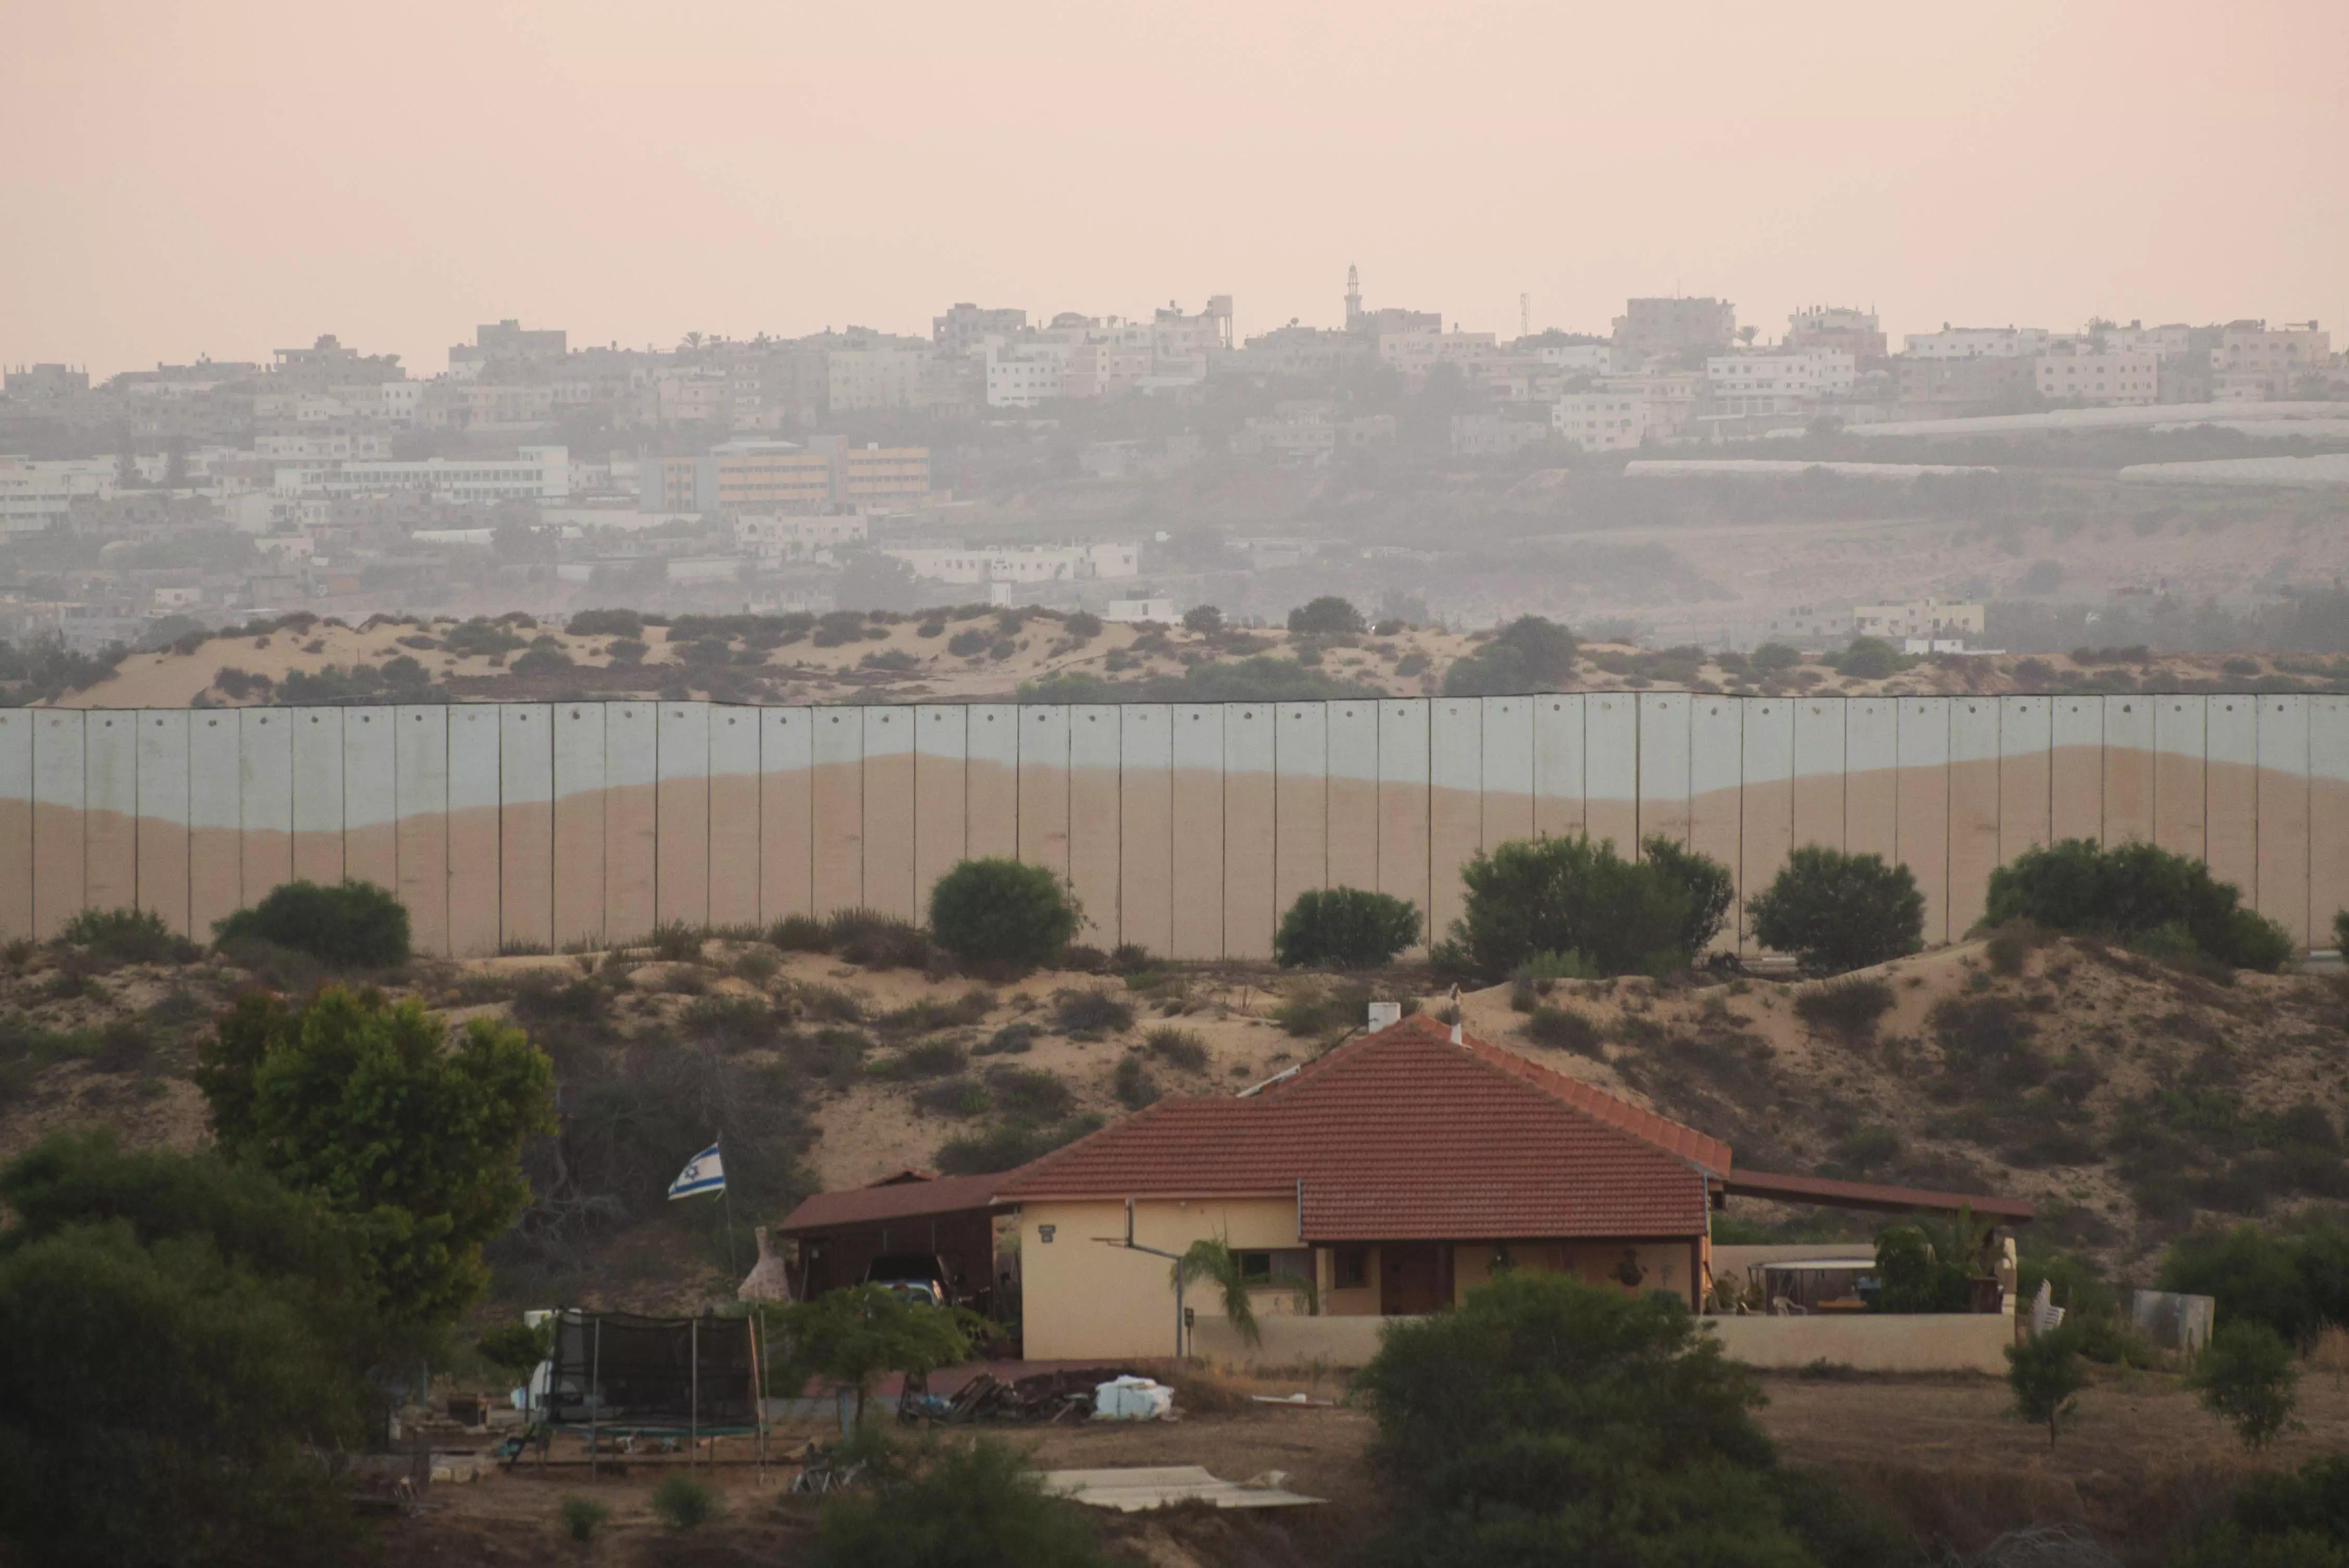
x=616 y=1369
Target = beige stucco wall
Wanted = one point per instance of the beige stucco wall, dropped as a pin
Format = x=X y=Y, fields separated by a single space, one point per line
x=1083 y=1297
x=1292 y=1341
x=1951 y=1342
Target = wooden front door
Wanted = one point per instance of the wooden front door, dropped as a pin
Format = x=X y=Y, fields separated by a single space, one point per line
x=1410 y=1278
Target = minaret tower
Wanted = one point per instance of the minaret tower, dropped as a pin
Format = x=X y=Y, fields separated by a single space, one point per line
x=1354 y=298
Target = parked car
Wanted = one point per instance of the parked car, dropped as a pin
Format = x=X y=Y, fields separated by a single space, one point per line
x=917 y=1277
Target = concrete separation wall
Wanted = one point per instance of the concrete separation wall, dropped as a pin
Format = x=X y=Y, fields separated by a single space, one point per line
x=1185 y=828
x=1870 y=1342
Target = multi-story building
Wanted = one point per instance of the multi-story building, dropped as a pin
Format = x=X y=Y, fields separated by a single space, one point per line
x=966 y=326
x=506 y=343
x=1022 y=563
x=2251 y=362
x=1932 y=387
x=1493 y=435
x=1579 y=358
x=1607 y=420
x=1778 y=383
x=535 y=473
x=874 y=478
x=748 y=476
x=859 y=379
x=1978 y=342
x=2115 y=377
x=1021 y=376
x=1673 y=325
x=1839 y=329
x=44 y=381
x=797 y=538
x=1917 y=618
x=1416 y=353
x=35 y=495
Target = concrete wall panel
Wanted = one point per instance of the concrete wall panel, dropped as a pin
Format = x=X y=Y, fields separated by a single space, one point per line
x=837 y=806
x=2328 y=815
x=681 y=807
x=1301 y=802
x=1664 y=765
x=991 y=815
x=1557 y=763
x=2180 y=758
x=2231 y=808
x=163 y=816
x=2127 y=754
x=1921 y=826
x=1044 y=786
x=321 y=794
x=1353 y=831
x=1145 y=824
x=1508 y=769
x=939 y=781
x=370 y=797
x=1611 y=770
x=265 y=788
x=1094 y=830
x=631 y=820
x=1250 y=839
x=215 y=825
x=2075 y=768
x=2026 y=741
x=2283 y=815
x=1770 y=789
x=1819 y=726
x=889 y=811
x=16 y=824
x=1871 y=782
x=1973 y=808
x=60 y=854
x=526 y=825
x=787 y=809
x=1456 y=814
x=1196 y=875
x=420 y=794
x=581 y=742
x=734 y=817
x=1716 y=797
x=1404 y=763
x=110 y=808
x=473 y=830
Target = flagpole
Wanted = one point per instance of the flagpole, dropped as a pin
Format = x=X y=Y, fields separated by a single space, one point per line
x=726 y=1197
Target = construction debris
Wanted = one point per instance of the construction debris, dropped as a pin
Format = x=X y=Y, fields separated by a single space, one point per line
x=1132 y=1489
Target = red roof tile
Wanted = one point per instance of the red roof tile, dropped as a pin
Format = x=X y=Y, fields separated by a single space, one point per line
x=1403 y=1135
x=902 y=1196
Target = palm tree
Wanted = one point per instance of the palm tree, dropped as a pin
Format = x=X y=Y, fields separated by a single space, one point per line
x=1212 y=1258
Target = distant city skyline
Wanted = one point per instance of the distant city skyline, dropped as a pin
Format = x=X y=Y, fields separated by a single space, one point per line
x=246 y=176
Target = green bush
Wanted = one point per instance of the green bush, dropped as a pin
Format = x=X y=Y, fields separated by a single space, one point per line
x=1132 y=1084
x=1008 y=1147
x=1835 y=911
x=2249 y=1377
x=1179 y=1048
x=2340 y=932
x=1915 y=1279
x=1529 y=654
x=582 y=1518
x=1872 y=659
x=1082 y=1013
x=517 y=1347
x=123 y=935
x=871 y=940
x=2045 y=1372
x=1327 y=615
x=2134 y=890
x=1002 y=914
x=1345 y=928
x=1848 y=1007
x=800 y=934
x=2286 y=1519
x=1564 y=1029
x=1774 y=656
x=347 y=925
x=685 y=1504
x=974 y=1504
x=1534 y=896
x=2292 y=1284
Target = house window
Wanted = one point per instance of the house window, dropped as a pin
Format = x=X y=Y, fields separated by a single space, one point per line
x=1353 y=1268
x=1288 y=1267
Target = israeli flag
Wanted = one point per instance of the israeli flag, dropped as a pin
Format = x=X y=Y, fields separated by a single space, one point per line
x=705 y=1173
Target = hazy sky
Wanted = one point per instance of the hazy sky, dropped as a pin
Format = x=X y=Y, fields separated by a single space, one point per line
x=239 y=175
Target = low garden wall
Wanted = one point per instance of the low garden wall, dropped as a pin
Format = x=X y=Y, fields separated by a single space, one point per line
x=1871 y=1342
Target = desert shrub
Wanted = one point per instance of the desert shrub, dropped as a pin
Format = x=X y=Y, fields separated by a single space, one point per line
x=1012 y=1039
x=800 y=934
x=1202 y=618
x=278 y=968
x=2250 y=1379
x=1533 y=896
x=1548 y=1420
x=929 y=1059
x=2291 y=1283
x=836 y=1056
x=758 y=965
x=1772 y=656
x=871 y=940
x=1177 y=1048
x=1872 y=659
x=2045 y=1373
x=124 y=936
x=1323 y=1010
x=1002 y=914
x=968 y=644
x=1345 y=928
x=605 y=623
x=1987 y=1046
x=676 y=941
x=958 y=1097
x=1835 y=911
x=1916 y=1277
x=923 y=1016
x=731 y=1023
x=1027 y=1096
x=1528 y=654
x=1563 y=1029
x=1082 y=625
x=582 y=1518
x=685 y=1504
x=347 y=925
x=2134 y=890
x=975 y=1502
x=829 y=1004
x=1132 y=1082
x=2280 y=1518
x=1848 y=1007
x=1008 y=1147
x=1084 y=1012
x=1866 y=1148
x=1326 y=615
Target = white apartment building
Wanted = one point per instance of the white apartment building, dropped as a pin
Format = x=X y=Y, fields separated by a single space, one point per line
x=1778 y=383
x=1979 y=343
x=1137 y=611
x=786 y=536
x=538 y=473
x=1416 y=353
x=876 y=377
x=2254 y=363
x=2113 y=379
x=1021 y=376
x=1603 y=421
x=1022 y=563
x=33 y=495
x=1917 y=618
x=1580 y=358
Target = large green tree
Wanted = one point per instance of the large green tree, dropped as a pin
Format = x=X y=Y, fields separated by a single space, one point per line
x=413 y=1138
